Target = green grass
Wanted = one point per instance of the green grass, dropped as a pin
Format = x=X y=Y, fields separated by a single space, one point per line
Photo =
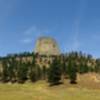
x=41 y=91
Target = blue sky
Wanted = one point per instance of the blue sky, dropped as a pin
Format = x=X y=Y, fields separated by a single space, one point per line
x=75 y=24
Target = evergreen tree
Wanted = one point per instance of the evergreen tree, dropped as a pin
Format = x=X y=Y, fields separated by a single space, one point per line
x=22 y=72
x=12 y=70
x=54 y=73
x=5 y=71
x=97 y=66
x=39 y=72
x=83 y=68
x=44 y=72
x=34 y=71
x=72 y=72
x=64 y=69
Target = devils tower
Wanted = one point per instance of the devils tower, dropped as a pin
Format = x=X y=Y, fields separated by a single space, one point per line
x=46 y=46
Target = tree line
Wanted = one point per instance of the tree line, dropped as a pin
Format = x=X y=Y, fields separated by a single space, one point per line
x=64 y=66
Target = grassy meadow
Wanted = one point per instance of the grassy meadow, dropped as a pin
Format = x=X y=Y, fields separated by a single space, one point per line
x=41 y=91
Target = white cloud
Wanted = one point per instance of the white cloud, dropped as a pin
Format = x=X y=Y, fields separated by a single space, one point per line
x=30 y=30
x=36 y=32
x=26 y=41
x=31 y=34
x=33 y=31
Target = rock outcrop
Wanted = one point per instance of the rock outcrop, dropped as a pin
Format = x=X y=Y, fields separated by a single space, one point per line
x=46 y=46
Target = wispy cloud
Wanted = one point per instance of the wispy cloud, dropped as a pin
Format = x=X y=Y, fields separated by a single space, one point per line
x=31 y=34
x=75 y=41
x=26 y=40
x=34 y=31
x=31 y=30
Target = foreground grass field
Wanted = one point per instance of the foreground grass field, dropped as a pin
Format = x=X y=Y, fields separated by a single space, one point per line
x=41 y=91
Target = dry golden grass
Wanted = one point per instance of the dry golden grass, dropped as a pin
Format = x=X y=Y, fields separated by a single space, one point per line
x=41 y=91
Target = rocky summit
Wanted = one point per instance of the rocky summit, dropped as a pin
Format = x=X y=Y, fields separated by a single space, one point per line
x=46 y=46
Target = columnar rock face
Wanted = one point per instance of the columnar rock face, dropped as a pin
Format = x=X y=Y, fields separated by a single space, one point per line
x=46 y=46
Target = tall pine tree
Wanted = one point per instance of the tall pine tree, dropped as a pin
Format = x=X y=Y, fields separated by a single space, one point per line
x=54 y=73
x=72 y=71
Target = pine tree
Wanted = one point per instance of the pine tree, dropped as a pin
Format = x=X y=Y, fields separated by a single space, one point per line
x=39 y=72
x=44 y=72
x=5 y=71
x=54 y=73
x=12 y=70
x=34 y=71
x=64 y=70
x=22 y=72
x=97 y=66
x=72 y=72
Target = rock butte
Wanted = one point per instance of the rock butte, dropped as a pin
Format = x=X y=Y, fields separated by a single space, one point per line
x=46 y=46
